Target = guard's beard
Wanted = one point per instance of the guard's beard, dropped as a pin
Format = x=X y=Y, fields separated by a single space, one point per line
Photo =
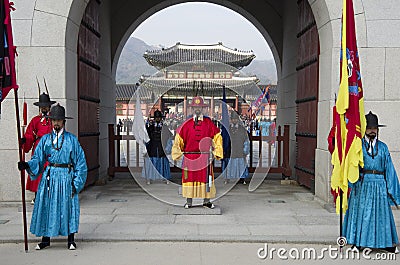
x=197 y=112
x=57 y=128
x=44 y=113
x=371 y=136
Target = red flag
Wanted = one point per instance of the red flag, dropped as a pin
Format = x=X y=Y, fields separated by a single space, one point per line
x=8 y=78
x=331 y=136
x=350 y=118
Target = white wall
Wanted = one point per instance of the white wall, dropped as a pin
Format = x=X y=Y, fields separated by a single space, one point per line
x=39 y=29
x=287 y=81
x=107 y=88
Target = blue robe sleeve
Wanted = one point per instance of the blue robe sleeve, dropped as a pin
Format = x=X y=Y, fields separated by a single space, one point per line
x=168 y=147
x=80 y=167
x=392 y=180
x=38 y=159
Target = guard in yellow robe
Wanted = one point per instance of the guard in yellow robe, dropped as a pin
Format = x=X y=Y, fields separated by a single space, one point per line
x=198 y=140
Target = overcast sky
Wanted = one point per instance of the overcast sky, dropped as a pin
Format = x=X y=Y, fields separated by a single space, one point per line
x=202 y=23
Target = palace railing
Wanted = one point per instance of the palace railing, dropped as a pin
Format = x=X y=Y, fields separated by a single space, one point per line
x=267 y=153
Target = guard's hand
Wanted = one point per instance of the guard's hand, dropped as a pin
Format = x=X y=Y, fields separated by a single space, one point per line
x=22 y=165
x=23 y=140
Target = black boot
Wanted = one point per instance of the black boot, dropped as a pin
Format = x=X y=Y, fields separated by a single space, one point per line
x=33 y=201
x=45 y=243
x=208 y=204
x=392 y=249
x=188 y=203
x=71 y=242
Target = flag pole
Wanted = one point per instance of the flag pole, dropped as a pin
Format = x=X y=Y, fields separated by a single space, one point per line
x=21 y=158
x=341 y=205
x=341 y=217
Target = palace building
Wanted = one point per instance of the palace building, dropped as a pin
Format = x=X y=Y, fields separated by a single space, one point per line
x=189 y=70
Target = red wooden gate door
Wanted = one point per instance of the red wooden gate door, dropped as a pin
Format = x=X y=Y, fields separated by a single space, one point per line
x=307 y=95
x=88 y=88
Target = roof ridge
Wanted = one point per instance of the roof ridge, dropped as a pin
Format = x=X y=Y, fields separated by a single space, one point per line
x=209 y=46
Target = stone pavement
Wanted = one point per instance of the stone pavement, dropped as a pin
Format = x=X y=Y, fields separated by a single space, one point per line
x=184 y=253
x=122 y=211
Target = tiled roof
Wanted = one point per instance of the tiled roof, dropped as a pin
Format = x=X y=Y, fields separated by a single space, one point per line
x=124 y=92
x=171 y=89
x=183 y=53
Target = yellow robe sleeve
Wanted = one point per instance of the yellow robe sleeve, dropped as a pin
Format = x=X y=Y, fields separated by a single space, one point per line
x=177 y=147
x=217 y=143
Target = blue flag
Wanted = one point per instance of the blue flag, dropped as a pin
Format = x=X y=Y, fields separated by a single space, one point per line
x=225 y=123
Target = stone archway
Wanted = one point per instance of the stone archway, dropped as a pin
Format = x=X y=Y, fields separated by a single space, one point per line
x=277 y=29
x=51 y=50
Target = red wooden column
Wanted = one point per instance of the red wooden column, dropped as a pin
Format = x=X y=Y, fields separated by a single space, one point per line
x=111 y=151
x=237 y=103
x=211 y=112
x=185 y=107
x=161 y=104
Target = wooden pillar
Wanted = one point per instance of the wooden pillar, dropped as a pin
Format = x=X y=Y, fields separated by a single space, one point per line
x=127 y=117
x=237 y=103
x=279 y=146
x=211 y=107
x=185 y=107
x=269 y=112
x=111 y=151
x=286 y=146
x=161 y=104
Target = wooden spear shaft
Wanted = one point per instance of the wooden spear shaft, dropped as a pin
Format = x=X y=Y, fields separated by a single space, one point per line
x=21 y=158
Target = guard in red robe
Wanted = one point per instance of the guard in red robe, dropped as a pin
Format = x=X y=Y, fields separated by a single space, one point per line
x=198 y=140
x=37 y=127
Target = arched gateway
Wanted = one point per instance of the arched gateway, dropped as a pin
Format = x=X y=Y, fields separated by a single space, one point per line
x=76 y=45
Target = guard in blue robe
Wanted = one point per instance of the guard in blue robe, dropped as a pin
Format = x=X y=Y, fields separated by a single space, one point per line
x=56 y=210
x=234 y=164
x=156 y=164
x=369 y=219
x=265 y=127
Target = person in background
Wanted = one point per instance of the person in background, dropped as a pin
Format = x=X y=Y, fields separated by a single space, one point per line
x=120 y=125
x=156 y=163
x=264 y=124
x=234 y=164
x=272 y=131
x=37 y=127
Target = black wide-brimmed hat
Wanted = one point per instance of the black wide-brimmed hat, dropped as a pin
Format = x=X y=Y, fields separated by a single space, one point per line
x=57 y=112
x=158 y=114
x=44 y=101
x=372 y=121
